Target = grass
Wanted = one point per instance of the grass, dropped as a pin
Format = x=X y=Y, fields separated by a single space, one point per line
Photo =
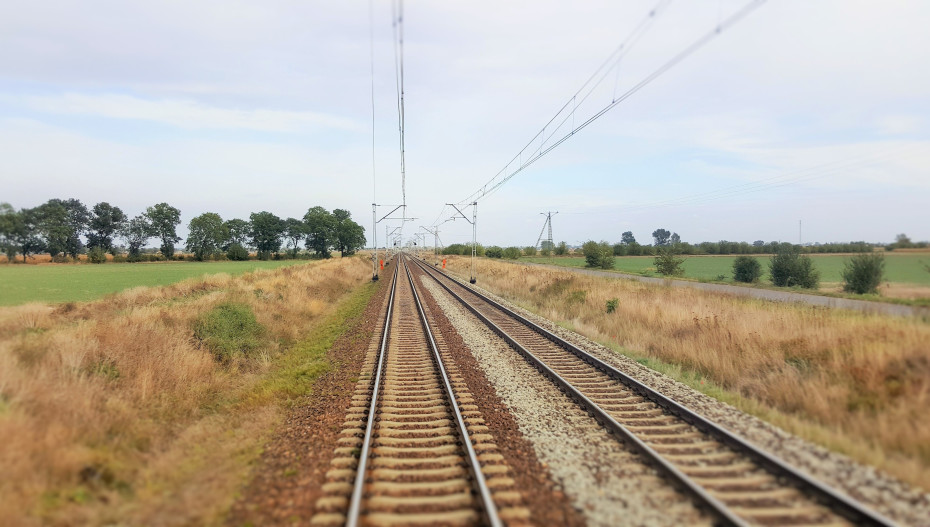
x=851 y=381
x=83 y=282
x=906 y=279
x=142 y=425
x=900 y=268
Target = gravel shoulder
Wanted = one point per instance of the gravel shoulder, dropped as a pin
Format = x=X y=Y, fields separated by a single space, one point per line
x=898 y=500
x=606 y=483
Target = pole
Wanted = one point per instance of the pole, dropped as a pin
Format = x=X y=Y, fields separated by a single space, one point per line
x=374 y=235
x=474 y=239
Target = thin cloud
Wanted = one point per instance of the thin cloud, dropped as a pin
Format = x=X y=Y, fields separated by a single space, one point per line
x=186 y=114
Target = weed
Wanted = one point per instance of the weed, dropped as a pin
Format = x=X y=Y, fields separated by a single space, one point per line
x=228 y=330
x=612 y=305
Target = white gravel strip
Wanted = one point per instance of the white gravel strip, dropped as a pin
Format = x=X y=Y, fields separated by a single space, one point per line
x=607 y=484
x=895 y=499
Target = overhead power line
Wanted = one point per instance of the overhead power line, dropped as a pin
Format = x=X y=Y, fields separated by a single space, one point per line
x=518 y=163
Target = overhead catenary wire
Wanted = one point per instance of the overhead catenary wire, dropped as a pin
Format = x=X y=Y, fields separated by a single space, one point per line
x=505 y=175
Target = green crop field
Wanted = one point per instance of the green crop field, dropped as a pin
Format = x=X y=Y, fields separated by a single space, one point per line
x=80 y=282
x=905 y=268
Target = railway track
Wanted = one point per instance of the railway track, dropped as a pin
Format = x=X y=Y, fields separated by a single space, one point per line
x=729 y=477
x=415 y=449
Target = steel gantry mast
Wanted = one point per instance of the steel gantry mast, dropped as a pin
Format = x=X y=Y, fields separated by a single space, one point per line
x=474 y=233
x=547 y=223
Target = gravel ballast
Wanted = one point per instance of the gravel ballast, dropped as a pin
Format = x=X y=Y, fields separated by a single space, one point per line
x=899 y=501
x=606 y=483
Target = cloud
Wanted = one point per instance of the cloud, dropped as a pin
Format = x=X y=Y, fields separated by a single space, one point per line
x=186 y=114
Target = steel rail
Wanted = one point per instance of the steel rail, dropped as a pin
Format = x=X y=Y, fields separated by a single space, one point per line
x=355 y=504
x=481 y=485
x=839 y=503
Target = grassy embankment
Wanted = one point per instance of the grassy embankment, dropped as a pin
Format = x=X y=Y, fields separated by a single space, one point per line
x=856 y=383
x=906 y=277
x=83 y=282
x=147 y=406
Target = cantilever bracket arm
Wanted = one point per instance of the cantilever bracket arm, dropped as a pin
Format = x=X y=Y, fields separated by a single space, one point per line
x=460 y=213
x=389 y=213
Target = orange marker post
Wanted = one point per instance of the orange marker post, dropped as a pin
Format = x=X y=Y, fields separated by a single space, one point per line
x=382 y=264
x=443 y=263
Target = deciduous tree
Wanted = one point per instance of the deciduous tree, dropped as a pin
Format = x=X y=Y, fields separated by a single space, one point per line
x=320 y=231
x=105 y=221
x=661 y=237
x=627 y=238
x=137 y=232
x=237 y=233
x=206 y=236
x=295 y=231
x=350 y=236
x=266 y=232
x=164 y=220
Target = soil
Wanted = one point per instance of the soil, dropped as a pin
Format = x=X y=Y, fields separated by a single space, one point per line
x=288 y=479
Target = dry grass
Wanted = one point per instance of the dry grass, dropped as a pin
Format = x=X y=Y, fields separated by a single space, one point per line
x=856 y=382
x=111 y=410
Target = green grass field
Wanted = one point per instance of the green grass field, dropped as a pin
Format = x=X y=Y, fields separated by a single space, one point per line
x=905 y=268
x=55 y=283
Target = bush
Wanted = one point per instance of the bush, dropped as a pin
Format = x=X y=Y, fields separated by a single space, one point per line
x=97 y=255
x=512 y=253
x=229 y=330
x=612 y=304
x=863 y=273
x=494 y=252
x=598 y=254
x=667 y=261
x=237 y=252
x=561 y=249
x=746 y=269
x=530 y=251
x=790 y=268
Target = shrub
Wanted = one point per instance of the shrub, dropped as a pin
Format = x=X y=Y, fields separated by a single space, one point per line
x=229 y=330
x=237 y=252
x=530 y=251
x=790 y=268
x=667 y=261
x=512 y=253
x=612 y=304
x=746 y=269
x=561 y=249
x=598 y=254
x=97 y=255
x=863 y=273
x=494 y=252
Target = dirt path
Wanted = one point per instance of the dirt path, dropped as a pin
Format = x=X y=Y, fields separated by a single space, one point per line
x=866 y=306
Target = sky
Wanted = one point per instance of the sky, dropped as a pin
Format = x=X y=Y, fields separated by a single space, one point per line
x=806 y=120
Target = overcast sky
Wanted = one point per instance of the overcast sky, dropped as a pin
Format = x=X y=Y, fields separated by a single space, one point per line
x=817 y=111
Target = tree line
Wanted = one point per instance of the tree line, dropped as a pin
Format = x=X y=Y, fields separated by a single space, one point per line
x=66 y=228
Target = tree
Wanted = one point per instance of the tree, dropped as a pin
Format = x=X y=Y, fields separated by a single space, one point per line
x=667 y=261
x=294 y=230
x=530 y=250
x=349 y=236
x=511 y=253
x=627 y=238
x=164 y=220
x=789 y=268
x=62 y=222
x=8 y=222
x=561 y=249
x=863 y=273
x=746 y=269
x=137 y=232
x=21 y=232
x=758 y=243
x=206 y=236
x=494 y=252
x=661 y=237
x=105 y=221
x=676 y=239
x=265 y=234
x=320 y=231
x=598 y=254
x=237 y=233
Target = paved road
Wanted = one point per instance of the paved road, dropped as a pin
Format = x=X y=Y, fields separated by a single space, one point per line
x=766 y=294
